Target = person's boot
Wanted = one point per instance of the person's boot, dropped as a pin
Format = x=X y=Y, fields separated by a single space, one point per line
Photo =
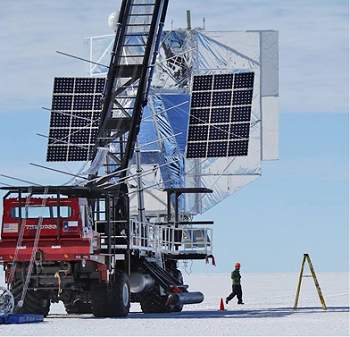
x=240 y=302
x=226 y=301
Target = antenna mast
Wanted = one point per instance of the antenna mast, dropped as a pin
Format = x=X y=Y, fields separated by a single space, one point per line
x=189 y=25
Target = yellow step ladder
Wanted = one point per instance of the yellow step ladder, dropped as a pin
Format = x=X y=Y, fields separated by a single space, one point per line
x=313 y=275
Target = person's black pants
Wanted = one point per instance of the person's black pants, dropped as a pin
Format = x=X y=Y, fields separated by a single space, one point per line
x=236 y=291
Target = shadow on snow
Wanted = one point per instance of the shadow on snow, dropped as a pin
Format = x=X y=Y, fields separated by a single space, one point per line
x=198 y=314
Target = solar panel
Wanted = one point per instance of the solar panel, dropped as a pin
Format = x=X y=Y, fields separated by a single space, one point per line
x=59 y=120
x=63 y=85
x=75 y=115
x=244 y=80
x=80 y=119
x=78 y=153
x=241 y=114
x=59 y=136
x=239 y=130
x=202 y=83
x=219 y=132
x=197 y=150
x=85 y=85
x=199 y=116
x=220 y=115
x=217 y=149
x=198 y=132
x=57 y=153
x=223 y=82
x=222 y=98
x=100 y=85
x=62 y=103
x=242 y=97
x=83 y=102
x=238 y=148
x=201 y=99
x=219 y=124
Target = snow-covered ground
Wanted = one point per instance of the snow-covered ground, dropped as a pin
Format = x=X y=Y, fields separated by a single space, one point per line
x=267 y=311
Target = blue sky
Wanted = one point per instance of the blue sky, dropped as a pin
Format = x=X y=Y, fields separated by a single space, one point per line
x=300 y=202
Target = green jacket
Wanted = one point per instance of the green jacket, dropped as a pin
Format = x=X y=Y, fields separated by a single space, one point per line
x=236 y=277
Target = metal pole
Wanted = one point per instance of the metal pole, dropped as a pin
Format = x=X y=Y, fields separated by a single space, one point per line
x=169 y=206
x=109 y=212
x=189 y=25
x=176 y=210
x=140 y=196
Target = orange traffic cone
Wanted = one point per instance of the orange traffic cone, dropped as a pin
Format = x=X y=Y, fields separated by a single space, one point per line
x=222 y=307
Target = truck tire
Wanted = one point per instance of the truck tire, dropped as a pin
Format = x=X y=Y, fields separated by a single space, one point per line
x=78 y=307
x=119 y=295
x=99 y=301
x=34 y=301
x=112 y=300
x=179 y=277
x=153 y=302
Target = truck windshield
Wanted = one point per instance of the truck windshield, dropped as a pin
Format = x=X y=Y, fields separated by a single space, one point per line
x=35 y=212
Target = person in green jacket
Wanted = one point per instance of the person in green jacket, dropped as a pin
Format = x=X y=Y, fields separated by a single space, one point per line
x=236 y=285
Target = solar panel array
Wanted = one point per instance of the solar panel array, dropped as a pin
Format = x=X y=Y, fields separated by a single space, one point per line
x=75 y=116
x=220 y=115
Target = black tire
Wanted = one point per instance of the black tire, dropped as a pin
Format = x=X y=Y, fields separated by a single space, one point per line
x=119 y=296
x=99 y=301
x=34 y=301
x=179 y=277
x=112 y=300
x=153 y=302
x=78 y=307
x=178 y=308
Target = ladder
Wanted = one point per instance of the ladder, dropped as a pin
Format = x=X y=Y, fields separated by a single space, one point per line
x=307 y=259
x=134 y=53
x=20 y=238
x=164 y=278
x=34 y=251
x=130 y=72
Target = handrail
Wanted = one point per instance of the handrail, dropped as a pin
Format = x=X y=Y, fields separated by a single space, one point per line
x=170 y=239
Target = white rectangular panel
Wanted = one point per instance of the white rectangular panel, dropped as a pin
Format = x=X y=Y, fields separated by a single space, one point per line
x=270 y=128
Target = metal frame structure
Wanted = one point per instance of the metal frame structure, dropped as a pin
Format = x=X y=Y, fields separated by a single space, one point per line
x=143 y=245
x=126 y=246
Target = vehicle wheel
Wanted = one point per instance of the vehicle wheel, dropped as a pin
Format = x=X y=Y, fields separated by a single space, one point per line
x=78 y=307
x=153 y=303
x=99 y=301
x=119 y=296
x=177 y=308
x=179 y=277
x=34 y=301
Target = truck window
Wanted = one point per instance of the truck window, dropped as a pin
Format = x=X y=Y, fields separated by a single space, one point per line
x=35 y=212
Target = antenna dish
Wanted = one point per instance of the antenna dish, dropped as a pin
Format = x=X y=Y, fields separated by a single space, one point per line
x=113 y=20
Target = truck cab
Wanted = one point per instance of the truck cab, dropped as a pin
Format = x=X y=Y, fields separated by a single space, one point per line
x=65 y=225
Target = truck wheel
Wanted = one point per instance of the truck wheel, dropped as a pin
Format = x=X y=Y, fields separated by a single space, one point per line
x=178 y=308
x=99 y=301
x=78 y=307
x=119 y=296
x=153 y=302
x=179 y=277
x=34 y=301
x=112 y=300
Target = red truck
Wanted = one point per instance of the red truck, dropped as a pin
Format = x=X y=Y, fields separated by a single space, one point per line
x=56 y=246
